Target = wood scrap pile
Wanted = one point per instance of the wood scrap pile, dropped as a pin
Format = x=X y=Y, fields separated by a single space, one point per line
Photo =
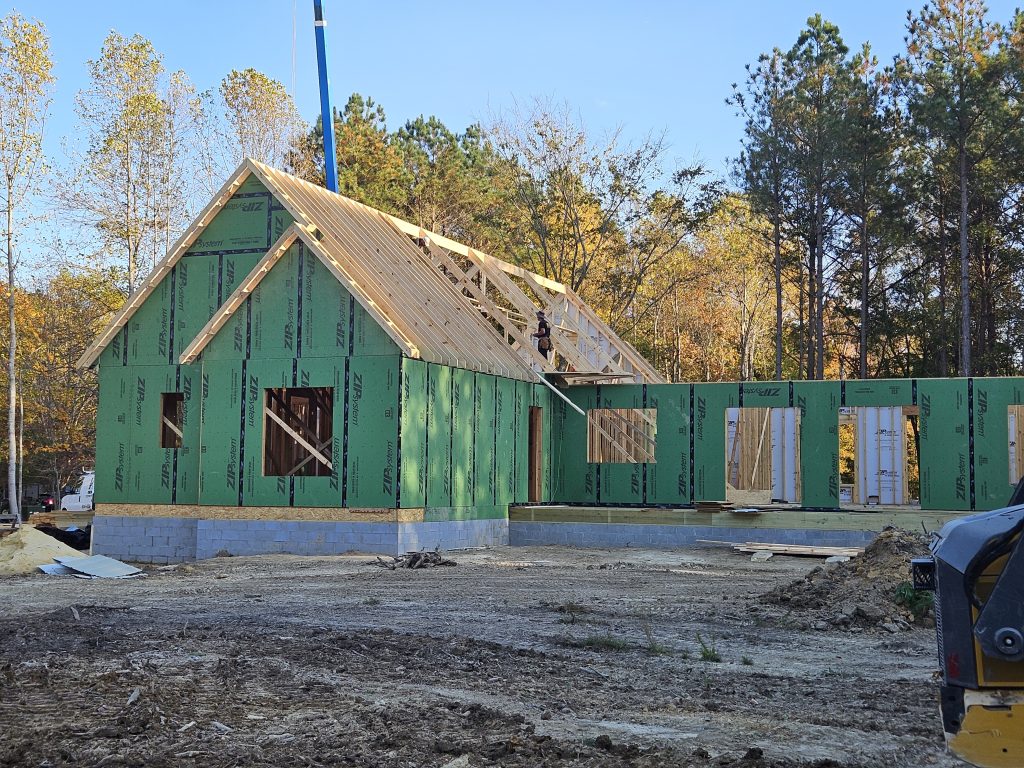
x=800 y=550
x=413 y=560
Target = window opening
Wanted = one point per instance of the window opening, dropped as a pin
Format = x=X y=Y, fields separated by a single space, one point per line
x=172 y=419
x=622 y=435
x=298 y=431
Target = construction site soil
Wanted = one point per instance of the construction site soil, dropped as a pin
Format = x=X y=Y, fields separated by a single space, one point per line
x=516 y=657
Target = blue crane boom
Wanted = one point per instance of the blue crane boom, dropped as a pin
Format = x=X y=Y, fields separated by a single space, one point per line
x=326 y=112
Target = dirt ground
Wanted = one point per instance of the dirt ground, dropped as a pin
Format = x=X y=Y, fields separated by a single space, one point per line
x=516 y=657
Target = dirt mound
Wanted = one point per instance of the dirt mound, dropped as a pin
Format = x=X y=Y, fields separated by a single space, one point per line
x=869 y=591
x=25 y=549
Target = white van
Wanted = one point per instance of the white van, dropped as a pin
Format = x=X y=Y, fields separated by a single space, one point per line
x=81 y=500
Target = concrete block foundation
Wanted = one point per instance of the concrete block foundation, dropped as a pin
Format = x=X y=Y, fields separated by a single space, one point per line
x=146 y=539
x=611 y=535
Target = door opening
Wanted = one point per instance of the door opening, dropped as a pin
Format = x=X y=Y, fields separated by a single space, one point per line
x=536 y=460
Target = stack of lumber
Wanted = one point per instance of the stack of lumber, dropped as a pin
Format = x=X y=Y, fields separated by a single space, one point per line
x=800 y=550
x=712 y=506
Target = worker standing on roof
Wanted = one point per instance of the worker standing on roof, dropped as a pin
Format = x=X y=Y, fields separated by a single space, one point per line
x=543 y=335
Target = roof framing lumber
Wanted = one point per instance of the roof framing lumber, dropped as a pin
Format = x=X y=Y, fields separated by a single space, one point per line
x=429 y=306
x=262 y=269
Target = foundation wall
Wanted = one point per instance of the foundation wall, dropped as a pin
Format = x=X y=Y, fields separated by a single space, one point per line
x=152 y=539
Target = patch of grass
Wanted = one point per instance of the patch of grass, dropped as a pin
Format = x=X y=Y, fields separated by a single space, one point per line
x=746 y=661
x=918 y=602
x=708 y=652
x=647 y=627
x=371 y=601
x=598 y=642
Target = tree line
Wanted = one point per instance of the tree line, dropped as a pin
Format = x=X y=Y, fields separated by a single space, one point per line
x=870 y=225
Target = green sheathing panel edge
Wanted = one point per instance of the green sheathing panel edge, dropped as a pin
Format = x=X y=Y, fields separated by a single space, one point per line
x=149 y=329
x=414 y=434
x=186 y=468
x=221 y=424
x=439 y=436
x=709 y=404
x=992 y=398
x=504 y=441
x=575 y=479
x=526 y=396
x=818 y=402
x=764 y=394
x=326 y=311
x=151 y=475
x=274 y=308
x=113 y=433
x=945 y=456
x=878 y=393
x=373 y=398
x=621 y=483
x=324 y=491
x=668 y=478
x=483 y=441
x=260 y=490
x=196 y=297
x=463 y=482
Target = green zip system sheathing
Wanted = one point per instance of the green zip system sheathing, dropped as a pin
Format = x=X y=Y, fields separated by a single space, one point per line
x=413 y=434
x=709 y=404
x=990 y=401
x=964 y=439
x=668 y=478
x=819 y=402
x=621 y=483
x=945 y=452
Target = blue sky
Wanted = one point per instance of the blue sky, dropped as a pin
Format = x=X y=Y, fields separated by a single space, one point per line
x=645 y=66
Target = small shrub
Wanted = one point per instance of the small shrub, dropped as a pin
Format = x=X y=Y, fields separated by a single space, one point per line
x=647 y=627
x=746 y=661
x=371 y=601
x=918 y=602
x=708 y=652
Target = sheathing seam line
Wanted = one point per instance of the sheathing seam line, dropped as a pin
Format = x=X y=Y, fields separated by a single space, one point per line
x=225 y=252
x=970 y=438
x=174 y=451
x=597 y=471
x=241 y=438
x=643 y=469
x=426 y=442
x=344 y=443
x=298 y=305
x=494 y=457
x=170 y=318
x=842 y=392
x=398 y=439
x=691 y=430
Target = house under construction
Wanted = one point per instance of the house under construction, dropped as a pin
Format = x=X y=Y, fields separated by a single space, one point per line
x=305 y=374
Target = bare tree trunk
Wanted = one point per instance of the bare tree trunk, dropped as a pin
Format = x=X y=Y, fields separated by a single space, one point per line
x=819 y=324
x=21 y=452
x=965 y=288
x=12 y=386
x=865 y=274
x=943 y=304
x=777 y=242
